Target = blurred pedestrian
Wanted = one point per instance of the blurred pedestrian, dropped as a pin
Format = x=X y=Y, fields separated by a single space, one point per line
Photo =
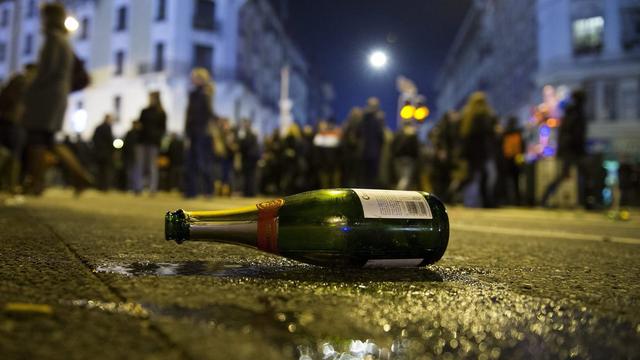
x=571 y=145
x=478 y=135
x=250 y=153
x=103 y=153
x=352 y=149
x=372 y=135
x=199 y=158
x=175 y=153
x=12 y=133
x=224 y=149
x=446 y=176
x=293 y=163
x=326 y=147
x=131 y=139
x=513 y=155
x=153 y=121
x=46 y=103
x=405 y=149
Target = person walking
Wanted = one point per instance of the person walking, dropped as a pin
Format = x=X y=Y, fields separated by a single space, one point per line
x=12 y=134
x=134 y=177
x=479 y=141
x=199 y=157
x=326 y=147
x=46 y=103
x=571 y=146
x=103 y=152
x=153 y=121
x=405 y=149
x=250 y=153
x=352 y=149
x=372 y=135
x=513 y=156
x=175 y=152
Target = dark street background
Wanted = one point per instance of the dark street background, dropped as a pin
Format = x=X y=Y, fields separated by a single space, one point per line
x=94 y=277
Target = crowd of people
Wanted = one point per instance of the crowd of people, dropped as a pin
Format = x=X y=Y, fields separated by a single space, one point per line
x=472 y=156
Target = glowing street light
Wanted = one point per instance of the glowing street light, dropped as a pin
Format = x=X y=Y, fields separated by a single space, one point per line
x=71 y=24
x=378 y=59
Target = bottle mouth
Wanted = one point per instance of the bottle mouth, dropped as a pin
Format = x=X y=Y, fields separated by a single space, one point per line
x=176 y=227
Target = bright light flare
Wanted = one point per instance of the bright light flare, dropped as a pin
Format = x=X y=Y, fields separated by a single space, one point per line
x=421 y=113
x=118 y=143
x=71 y=24
x=378 y=59
x=407 y=112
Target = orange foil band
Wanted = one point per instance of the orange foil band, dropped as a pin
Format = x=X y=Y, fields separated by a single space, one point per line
x=268 y=225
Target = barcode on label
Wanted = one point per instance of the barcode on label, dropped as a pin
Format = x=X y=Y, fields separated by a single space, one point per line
x=415 y=208
x=393 y=204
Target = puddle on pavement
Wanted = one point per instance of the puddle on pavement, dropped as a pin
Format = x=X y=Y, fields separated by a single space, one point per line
x=171 y=269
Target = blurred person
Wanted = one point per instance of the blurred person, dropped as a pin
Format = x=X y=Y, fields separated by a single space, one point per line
x=372 y=137
x=326 y=148
x=153 y=121
x=513 y=155
x=311 y=181
x=352 y=149
x=404 y=152
x=271 y=164
x=571 y=145
x=249 y=153
x=224 y=148
x=131 y=139
x=199 y=157
x=12 y=133
x=46 y=103
x=175 y=153
x=292 y=162
x=103 y=152
x=479 y=141
x=445 y=137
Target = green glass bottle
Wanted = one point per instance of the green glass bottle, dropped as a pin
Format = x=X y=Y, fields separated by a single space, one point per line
x=336 y=227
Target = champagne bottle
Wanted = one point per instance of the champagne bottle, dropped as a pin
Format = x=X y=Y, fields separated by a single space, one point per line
x=336 y=227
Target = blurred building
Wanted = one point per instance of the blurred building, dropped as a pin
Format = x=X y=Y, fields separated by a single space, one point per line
x=132 y=47
x=512 y=49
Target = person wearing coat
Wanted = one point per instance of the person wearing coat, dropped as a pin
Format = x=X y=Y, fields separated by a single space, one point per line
x=153 y=121
x=103 y=152
x=199 y=157
x=46 y=103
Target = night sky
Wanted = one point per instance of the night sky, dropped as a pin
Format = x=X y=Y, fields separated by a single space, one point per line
x=336 y=36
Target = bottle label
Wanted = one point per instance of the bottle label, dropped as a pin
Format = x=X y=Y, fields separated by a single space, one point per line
x=393 y=263
x=268 y=225
x=392 y=204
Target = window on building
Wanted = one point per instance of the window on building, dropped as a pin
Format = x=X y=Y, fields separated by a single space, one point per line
x=117 y=107
x=3 y=52
x=28 y=44
x=631 y=28
x=203 y=57
x=31 y=9
x=4 y=19
x=588 y=35
x=204 y=16
x=158 y=62
x=84 y=28
x=119 y=63
x=121 y=19
x=161 y=10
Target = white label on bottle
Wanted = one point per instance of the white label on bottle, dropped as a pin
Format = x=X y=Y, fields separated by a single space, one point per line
x=393 y=263
x=392 y=204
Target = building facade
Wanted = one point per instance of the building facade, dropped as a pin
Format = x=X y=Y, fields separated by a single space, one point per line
x=513 y=49
x=133 y=47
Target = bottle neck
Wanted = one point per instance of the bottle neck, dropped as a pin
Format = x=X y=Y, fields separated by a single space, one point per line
x=237 y=226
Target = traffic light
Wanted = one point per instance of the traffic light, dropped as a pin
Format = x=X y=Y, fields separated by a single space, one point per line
x=408 y=111
x=421 y=113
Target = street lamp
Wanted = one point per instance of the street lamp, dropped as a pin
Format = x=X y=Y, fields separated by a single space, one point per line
x=71 y=24
x=378 y=59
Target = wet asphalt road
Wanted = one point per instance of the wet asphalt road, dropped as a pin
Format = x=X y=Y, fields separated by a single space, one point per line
x=94 y=278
